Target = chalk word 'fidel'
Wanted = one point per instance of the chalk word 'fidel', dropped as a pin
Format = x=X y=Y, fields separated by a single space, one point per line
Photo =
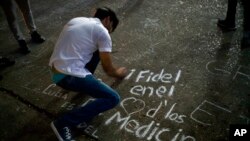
x=149 y=76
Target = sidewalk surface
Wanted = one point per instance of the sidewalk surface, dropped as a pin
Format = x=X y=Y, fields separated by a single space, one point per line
x=188 y=80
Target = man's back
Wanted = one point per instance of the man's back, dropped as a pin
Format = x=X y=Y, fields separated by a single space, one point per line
x=80 y=38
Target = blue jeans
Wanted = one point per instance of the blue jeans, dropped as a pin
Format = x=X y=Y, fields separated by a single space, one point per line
x=105 y=98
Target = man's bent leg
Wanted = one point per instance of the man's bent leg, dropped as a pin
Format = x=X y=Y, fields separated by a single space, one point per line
x=106 y=98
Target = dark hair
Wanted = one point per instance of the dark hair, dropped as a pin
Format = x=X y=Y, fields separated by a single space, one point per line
x=104 y=12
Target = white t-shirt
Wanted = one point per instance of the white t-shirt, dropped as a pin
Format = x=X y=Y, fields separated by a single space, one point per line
x=79 y=39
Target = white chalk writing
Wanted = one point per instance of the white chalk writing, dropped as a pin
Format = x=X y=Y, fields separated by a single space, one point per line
x=150 y=131
x=214 y=68
x=204 y=113
x=53 y=90
x=160 y=78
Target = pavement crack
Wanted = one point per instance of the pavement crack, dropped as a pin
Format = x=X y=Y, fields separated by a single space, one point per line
x=28 y=103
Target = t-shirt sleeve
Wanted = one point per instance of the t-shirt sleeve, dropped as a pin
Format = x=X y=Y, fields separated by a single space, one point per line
x=104 y=42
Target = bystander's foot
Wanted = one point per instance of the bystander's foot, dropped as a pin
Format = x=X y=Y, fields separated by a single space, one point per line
x=226 y=25
x=36 y=37
x=23 y=47
x=6 y=62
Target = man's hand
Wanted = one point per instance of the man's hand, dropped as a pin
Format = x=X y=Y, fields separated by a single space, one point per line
x=108 y=67
x=121 y=72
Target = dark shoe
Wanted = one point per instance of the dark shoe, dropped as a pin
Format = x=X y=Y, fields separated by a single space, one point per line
x=36 y=37
x=6 y=62
x=23 y=47
x=225 y=25
x=63 y=133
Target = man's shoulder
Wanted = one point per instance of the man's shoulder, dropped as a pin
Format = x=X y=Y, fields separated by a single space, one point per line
x=79 y=19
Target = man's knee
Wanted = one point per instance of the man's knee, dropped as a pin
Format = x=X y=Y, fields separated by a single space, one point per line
x=115 y=100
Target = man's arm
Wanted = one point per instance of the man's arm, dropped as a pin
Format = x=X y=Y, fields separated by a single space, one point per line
x=109 y=68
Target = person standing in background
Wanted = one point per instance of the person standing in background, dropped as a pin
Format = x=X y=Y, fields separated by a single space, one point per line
x=228 y=24
x=10 y=7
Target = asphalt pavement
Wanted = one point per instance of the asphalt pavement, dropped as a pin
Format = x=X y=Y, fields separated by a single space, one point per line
x=188 y=80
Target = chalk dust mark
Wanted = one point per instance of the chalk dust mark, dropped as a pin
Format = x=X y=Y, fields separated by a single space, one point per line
x=129 y=7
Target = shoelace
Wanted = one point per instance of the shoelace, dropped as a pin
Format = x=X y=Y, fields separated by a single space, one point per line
x=68 y=133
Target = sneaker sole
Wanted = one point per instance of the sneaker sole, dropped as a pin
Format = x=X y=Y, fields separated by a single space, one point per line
x=56 y=132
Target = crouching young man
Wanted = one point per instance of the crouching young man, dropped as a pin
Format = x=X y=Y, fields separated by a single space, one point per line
x=82 y=43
